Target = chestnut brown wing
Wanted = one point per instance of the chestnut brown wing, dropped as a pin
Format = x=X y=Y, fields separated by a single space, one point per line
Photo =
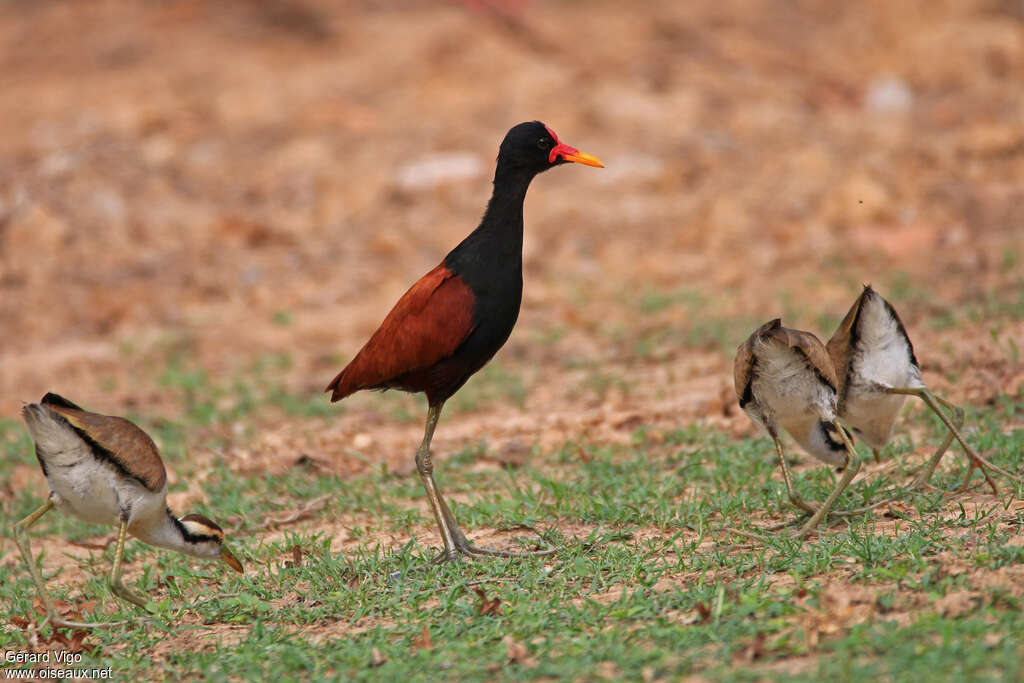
x=811 y=348
x=840 y=345
x=428 y=324
x=116 y=439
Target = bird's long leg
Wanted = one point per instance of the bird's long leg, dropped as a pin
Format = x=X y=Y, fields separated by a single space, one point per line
x=455 y=542
x=977 y=462
x=21 y=538
x=788 y=477
x=115 y=573
x=425 y=466
x=852 y=467
x=925 y=475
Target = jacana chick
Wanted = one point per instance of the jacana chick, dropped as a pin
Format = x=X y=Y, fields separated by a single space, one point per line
x=106 y=470
x=455 y=318
x=785 y=381
x=876 y=370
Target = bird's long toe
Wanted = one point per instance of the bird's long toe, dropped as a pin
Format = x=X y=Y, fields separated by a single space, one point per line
x=56 y=621
x=447 y=555
x=800 y=503
x=466 y=548
x=122 y=592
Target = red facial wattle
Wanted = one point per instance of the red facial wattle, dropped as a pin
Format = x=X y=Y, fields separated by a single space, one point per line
x=570 y=153
x=557 y=148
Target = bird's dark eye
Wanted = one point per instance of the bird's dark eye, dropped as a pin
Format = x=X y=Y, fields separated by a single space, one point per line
x=544 y=143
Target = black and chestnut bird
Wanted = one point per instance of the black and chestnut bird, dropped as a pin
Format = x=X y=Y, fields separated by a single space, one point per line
x=457 y=316
x=105 y=470
x=876 y=370
x=785 y=381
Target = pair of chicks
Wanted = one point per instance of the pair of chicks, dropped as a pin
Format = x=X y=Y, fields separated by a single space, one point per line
x=788 y=380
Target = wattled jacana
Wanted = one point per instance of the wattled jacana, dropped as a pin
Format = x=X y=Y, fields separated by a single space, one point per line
x=105 y=470
x=457 y=316
x=785 y=380
x=876 y=370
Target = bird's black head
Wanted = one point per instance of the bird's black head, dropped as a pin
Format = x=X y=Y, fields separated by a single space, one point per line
x=534 y=147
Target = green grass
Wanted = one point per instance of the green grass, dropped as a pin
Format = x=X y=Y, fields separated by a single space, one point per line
x=648 y=588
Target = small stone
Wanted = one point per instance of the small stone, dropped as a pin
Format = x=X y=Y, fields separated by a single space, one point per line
x=438 y=169
x=888 y=95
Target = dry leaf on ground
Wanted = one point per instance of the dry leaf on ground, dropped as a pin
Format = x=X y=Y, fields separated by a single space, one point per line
x=487 y=606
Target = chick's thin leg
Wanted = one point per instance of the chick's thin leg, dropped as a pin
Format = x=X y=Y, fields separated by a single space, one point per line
x=115 y=583
x=21 y=538
x=852 y=467
x=977 y=462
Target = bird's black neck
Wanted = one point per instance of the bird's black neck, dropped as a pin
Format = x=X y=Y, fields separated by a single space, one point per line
x=498 y=240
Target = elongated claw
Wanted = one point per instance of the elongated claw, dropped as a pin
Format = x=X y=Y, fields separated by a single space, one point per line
x=58 y=622
x=461 y=547
x=122 y=592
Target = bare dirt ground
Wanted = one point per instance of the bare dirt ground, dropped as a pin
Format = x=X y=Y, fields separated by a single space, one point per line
x=231 y=181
